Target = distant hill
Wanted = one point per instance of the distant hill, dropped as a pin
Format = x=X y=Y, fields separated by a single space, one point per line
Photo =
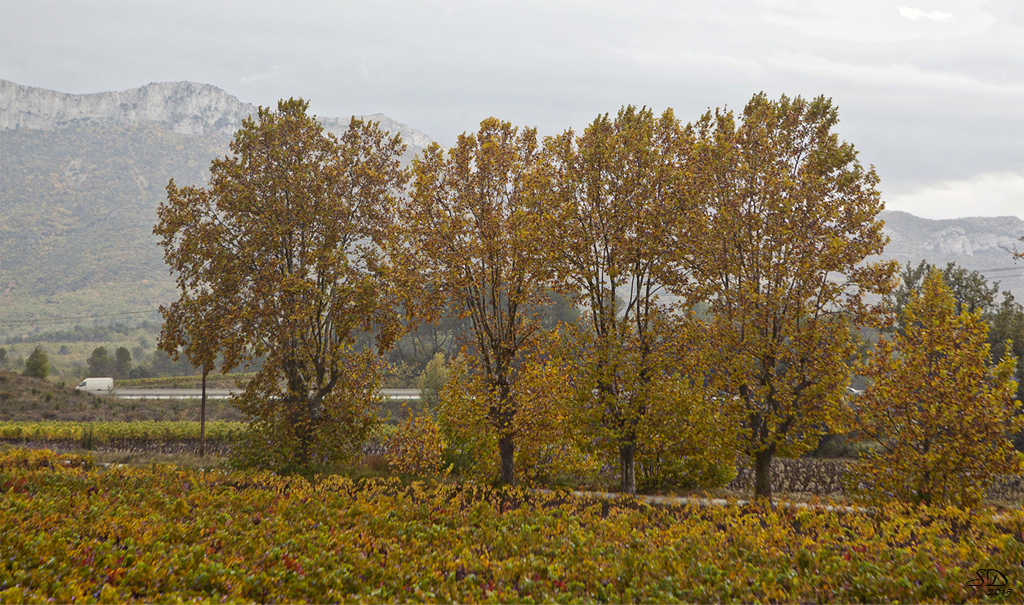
x=81 y=177
x=77 y=208
x=978 y=243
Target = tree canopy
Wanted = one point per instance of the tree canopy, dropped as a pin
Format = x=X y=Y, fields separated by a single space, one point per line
x=789 y=216
x=278 y=259
x=468 y=236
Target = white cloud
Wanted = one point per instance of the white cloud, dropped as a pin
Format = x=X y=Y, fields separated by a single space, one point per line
x=990 y=194
x=916 y=14
x=901 y=75
x=876 y=21
x=264 y=77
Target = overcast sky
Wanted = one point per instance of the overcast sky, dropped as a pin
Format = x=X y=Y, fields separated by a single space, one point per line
x=931 y=92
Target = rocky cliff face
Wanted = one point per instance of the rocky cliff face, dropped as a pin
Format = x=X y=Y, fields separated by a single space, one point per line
x=974 y=236
x=187 y=107
x=978 y=243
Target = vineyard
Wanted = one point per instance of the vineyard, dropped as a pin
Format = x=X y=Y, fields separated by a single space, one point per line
x=112 y=433
x=73 y=532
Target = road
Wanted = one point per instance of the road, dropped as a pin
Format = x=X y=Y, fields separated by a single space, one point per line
x=225 y=393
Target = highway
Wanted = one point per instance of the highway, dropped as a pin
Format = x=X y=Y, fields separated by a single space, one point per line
x=226 y=393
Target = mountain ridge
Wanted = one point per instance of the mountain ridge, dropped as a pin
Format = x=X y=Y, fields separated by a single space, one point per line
x=952 y=236
x=978 y=243
x=189 y=108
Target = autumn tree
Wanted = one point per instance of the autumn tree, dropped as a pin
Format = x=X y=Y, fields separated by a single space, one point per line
x=939 y=412
x=612 y=197
x=468 y=237
x=972 y=292
x=789 y=216
x=280 y=252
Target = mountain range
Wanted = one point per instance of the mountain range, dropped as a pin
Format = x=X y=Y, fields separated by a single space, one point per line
x=979 y=243
x=81 y=177
x=186 y=108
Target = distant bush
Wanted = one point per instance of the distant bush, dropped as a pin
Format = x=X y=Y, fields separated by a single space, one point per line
x=432 y=380
x=38 y=364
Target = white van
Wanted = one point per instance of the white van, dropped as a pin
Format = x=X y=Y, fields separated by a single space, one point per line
x=96 y=385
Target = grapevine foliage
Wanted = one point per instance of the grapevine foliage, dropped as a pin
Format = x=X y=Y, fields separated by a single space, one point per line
x=72 y=533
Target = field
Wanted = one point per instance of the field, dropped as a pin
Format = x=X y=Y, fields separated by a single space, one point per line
x=119 y=524
x=72 y=531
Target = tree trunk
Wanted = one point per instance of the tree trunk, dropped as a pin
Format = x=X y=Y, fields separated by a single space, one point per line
x=627 y=467
x=202 y=418
x=507 y=447
x=763 y=473
x=299 y=412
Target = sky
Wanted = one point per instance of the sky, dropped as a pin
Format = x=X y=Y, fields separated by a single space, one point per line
x=930 y=92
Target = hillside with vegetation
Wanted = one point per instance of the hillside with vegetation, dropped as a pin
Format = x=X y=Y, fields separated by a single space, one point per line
x=78 y=207
x=80 y=181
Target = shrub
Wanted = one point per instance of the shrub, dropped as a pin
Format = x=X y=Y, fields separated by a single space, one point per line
x=38 y=364
x=432 y=380
x=472 y=448
x=687 y=439
x=417 y=447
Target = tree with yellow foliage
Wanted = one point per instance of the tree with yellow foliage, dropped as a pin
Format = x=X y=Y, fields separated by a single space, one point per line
x=613 y=193
x=279 y=259
x=939 y=412
x=788 y=216
x=467 y=237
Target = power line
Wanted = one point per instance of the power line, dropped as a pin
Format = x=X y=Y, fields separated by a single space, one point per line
x=1017 y=268
x=57 y=320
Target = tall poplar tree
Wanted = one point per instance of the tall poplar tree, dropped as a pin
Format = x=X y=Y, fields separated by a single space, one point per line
x=613 y=196
x=789 y=216
x=468 y=238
